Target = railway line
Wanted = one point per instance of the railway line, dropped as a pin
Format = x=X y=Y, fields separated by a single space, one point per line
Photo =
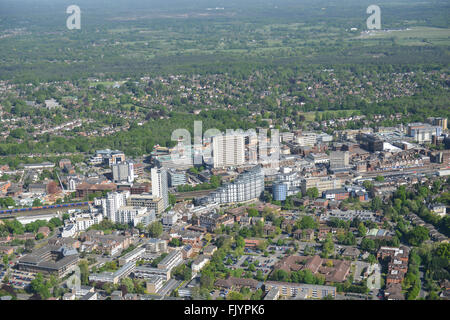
x=10 y=213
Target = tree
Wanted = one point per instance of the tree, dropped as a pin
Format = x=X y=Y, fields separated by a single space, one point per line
x=252 y=212
x=367 y=244
x=39 y=236
x=140 y=226
x=14 y=227
x=376 y=204
x=29 y=245
x=55 y=223
x=443 y=250
x=257 y=295
x=37 y=202
x=109 y=288
x=307 y=222
x=233 y=295
x=172 y=199
x=280 y=275
x=240 y=242
x=175 y=242
x=417 y=235
x=368 y=185
x=206 y=280
x=312 y=193
x=155 y=229
x=187 y=273
x=362 y=229
x=309 y=250
x=5 y=260
x=40 y=287
x=128 y=284
x=262 y=245
x=259 y=275
x=328 y=246
x=84 y=272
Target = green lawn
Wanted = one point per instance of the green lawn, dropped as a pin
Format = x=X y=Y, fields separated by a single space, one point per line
x=413 y=36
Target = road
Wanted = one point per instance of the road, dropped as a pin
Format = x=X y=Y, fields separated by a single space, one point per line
x=422 y=293
x=192 y=194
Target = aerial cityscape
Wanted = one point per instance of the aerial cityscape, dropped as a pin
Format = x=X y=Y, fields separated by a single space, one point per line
x=224 y=150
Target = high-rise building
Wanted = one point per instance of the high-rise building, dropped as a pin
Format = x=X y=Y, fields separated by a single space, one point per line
x=441 y=122
x=251 y=145
x=247 y=186
x=370 y=142
x=339 y=159
x=228 y=150
x=422 y=132
x=112 y=203
x=279 y=191
x=123 y=172
x=72 y=185
x=159 y=185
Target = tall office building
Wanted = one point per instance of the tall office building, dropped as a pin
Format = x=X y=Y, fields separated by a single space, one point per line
x=370 y=142
x=123 y=172
x=228 y=150
x=159 y=185
x=279 y=191
x=176 y=178
x=422 y=132
x=441 y=122
x=339 y=159
x=251 y=144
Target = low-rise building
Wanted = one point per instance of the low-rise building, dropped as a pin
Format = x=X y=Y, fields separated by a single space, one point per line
x=50 y=260
x=154 y=284
x=294 y=290
x=132 y=256
x=113 y=277
x=173 y=259
x=199 y=263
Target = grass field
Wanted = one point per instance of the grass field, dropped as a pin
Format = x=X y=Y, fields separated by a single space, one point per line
x=105 y=83
x=412 y=36
x=310 y=116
